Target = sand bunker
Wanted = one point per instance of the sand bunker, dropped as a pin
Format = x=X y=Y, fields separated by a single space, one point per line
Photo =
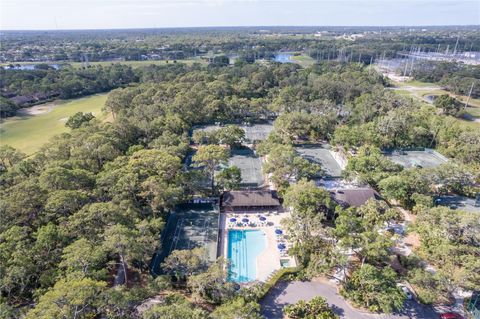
x=37 y=109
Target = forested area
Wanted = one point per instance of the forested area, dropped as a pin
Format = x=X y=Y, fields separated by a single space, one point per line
x=20 y=88
x=362 y=126
x=94 y=200
x=251 y=42
x=327 y=236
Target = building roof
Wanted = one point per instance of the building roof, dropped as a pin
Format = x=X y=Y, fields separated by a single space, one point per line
x=250 y=198
x=354 y=196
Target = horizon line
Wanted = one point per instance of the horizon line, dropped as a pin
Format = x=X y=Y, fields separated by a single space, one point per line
x=249 y=26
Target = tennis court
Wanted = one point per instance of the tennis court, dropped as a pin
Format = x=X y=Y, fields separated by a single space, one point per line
x=250 y=166
x=188 y=227
x=321 y=155
x=466 y=204
x=253 y=132
x=256 y=132
x=426 y=158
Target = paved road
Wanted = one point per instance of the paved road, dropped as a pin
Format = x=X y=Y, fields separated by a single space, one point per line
x=290 y=292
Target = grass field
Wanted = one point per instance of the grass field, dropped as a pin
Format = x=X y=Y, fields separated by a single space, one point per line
x=421 y=90
x=303 y=60
x=29 y=132
x=415 y=84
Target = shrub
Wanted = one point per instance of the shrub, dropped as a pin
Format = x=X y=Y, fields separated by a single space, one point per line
x=317 y=308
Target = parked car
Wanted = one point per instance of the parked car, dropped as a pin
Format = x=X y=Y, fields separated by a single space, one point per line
x=450 y=315
x=406 y=291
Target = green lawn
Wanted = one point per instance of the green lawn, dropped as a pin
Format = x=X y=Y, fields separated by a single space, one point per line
x=421 y=90
x=474 y=111
x=303 y=60
x=29 y=133
x=415 y=84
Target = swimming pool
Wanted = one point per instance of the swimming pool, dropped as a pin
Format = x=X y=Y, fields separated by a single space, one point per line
x=244 y=246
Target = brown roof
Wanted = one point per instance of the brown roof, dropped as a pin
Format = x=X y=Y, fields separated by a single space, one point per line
x=250 y=198
x=354 y=197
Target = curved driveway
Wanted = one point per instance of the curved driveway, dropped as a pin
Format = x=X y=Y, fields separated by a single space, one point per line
x=285 y=293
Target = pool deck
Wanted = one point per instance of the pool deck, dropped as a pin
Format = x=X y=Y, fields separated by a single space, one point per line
x=269 y=260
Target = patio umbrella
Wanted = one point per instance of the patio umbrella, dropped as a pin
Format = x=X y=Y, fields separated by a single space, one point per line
x=232 y=220
x=278 y=231
x=245 y=220
x=281 y=246
x=262 y=218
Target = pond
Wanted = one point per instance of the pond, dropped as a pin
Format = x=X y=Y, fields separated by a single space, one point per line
x=283 y=57
x=27 y=66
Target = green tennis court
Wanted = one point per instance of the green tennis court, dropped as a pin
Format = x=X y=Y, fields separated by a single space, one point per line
x=188 y=227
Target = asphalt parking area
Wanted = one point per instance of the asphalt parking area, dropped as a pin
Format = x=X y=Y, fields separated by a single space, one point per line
x=285 y=293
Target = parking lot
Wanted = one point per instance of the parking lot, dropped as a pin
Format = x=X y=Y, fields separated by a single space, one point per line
x=285 y=293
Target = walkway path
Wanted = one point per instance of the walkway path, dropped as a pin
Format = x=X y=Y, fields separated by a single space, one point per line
x=285 y=293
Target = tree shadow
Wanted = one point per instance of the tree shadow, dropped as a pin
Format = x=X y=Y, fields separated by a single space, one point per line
x=270 y=308
x=338 y=311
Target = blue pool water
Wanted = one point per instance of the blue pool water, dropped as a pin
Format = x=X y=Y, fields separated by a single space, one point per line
x=244 y=246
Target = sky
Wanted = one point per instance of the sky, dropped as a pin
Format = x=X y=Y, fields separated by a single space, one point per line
x=108 y=14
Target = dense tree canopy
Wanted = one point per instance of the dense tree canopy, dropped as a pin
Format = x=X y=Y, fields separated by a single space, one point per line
x=90 y=205
x=375 y=289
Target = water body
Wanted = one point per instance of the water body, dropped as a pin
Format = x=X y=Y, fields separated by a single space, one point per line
x=27 y=66
x=283 y=57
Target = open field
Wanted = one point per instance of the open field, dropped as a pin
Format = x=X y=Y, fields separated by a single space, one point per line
x=303 y=60
x=424 y=91
x=29 y=132
x=415 y=83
